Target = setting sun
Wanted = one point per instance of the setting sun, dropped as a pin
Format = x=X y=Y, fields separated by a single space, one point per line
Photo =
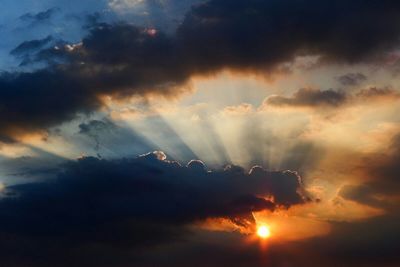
x=263 y=231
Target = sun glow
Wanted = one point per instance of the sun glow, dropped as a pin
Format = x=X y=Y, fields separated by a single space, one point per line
x=263 y=232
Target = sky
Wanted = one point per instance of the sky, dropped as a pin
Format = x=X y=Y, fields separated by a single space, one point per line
x=212 y=133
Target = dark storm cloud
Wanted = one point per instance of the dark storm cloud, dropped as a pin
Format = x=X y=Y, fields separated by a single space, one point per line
x=309 y=97
x=351 y=79
x=40 y=99
x=124 y=59
x=264 y=33
x=130 y=203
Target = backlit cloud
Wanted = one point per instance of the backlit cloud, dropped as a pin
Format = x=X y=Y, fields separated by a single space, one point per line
x=123 y=59
x=135 y=203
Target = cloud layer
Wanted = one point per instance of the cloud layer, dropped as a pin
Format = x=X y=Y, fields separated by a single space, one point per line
x=122 y=59
x=133 y=203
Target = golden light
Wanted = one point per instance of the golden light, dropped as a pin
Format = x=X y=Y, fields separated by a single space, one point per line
x=263 y=231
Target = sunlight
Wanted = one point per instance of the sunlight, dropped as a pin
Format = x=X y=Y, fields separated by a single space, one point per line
x=263 y=231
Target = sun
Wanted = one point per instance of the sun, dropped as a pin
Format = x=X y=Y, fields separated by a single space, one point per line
x=263 y=232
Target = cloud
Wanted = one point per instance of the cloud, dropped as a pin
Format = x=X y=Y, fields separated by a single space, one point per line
x=377 y=92
x=108 y=139
x=383 y=169
x=308 y=97
x=350 y=245
x=380 y=185
x=165 y=14
x=360 y=193
x=351 y=79
x=40 y=16
x=134 y=202
x=122 y=59
x=370 y=242
x=259 y=33
x=37 y=100
x=95 y=128
x=242 y=109
x=28 y=52
x=29 y=46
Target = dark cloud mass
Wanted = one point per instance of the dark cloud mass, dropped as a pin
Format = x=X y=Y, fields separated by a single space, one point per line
x=124 y=59
x=40 y=99
x=130 y=203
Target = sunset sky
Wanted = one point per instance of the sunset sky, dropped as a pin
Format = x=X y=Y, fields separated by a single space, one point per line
x=199 y=133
